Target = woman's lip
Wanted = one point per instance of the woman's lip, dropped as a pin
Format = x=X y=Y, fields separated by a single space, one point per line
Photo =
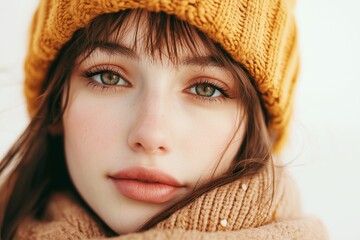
x=146 y=175
x=145 y=191
x=146 y=185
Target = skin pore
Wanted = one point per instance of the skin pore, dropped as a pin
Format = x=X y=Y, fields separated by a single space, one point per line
x=127 y=110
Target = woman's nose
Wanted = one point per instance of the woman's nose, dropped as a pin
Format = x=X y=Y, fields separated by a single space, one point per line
x=150 y=130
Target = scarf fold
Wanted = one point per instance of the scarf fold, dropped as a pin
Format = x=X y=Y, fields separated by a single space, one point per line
x=265 y=206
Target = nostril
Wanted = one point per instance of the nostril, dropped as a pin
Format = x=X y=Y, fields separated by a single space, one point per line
x=147 y=142
x=151 y=149
x=138 y=145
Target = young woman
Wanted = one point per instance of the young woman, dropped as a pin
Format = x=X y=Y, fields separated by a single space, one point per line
x=155 y=120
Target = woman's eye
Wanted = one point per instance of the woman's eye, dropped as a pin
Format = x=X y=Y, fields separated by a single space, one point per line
x=109 y=78
x=205 y=90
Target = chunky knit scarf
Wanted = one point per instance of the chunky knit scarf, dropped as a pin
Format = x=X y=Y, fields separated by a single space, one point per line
x=259 y=207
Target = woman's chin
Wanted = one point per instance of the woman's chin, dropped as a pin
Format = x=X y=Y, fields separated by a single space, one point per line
x=127 y=225
x=126 y=228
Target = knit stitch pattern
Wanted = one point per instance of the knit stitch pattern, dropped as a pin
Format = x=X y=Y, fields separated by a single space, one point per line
x=259 y=34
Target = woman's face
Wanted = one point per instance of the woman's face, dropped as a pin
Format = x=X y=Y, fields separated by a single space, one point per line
x=140 y=133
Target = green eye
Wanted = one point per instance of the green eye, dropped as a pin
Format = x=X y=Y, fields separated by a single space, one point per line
x=109 y=78
x=205 y=90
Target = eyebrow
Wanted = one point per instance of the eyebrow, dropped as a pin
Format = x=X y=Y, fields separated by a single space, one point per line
x=111 y=48
x=201 y=61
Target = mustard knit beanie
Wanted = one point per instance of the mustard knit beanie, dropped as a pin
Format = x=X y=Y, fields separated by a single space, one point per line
x=260 y=34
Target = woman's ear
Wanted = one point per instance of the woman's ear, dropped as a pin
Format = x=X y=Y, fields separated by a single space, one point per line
x=56 y=129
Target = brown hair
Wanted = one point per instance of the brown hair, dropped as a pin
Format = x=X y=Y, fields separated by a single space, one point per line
x=35 y=165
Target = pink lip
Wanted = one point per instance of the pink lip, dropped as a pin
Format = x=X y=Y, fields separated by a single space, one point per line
x=146 y=185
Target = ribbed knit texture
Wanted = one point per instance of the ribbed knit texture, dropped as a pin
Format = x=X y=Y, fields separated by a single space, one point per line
x=252 y=211
x=260 y=34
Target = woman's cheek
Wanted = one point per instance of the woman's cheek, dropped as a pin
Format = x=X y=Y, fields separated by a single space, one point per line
x=91 y=130
x=214 y=141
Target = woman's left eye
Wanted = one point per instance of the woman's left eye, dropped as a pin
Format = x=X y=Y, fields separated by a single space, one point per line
x=205 y=90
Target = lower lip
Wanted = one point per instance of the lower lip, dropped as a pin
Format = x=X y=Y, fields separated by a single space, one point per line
x=145 y=191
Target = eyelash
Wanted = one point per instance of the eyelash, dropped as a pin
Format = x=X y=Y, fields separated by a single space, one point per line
x=88 y=74
x=222 y=90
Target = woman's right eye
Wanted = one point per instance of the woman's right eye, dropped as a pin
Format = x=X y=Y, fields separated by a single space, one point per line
x=108 y=78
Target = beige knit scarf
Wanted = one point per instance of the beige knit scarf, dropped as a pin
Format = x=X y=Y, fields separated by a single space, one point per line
x=260 y=207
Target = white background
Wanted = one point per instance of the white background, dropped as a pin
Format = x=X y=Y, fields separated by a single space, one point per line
x=324 y=146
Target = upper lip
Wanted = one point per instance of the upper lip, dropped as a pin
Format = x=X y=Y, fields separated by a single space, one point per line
x=147 y=175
